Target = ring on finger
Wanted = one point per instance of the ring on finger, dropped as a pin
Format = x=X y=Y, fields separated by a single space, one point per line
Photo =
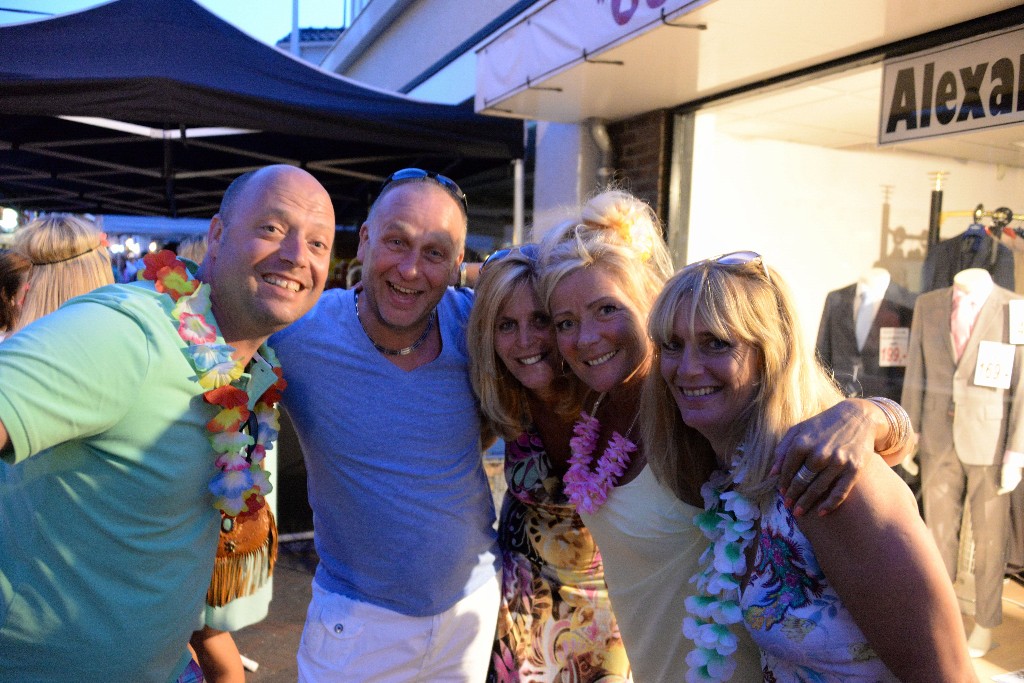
x=804 y=475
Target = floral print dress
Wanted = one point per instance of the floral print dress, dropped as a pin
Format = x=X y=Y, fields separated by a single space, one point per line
x=555 y=621
x=795 y=616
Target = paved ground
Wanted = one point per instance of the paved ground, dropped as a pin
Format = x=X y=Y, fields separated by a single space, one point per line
x=274 y=641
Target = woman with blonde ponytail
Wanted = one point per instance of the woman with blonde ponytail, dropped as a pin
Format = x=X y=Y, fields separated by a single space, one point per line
x=69 y=257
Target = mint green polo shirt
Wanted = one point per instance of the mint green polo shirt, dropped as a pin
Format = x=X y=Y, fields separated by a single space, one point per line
x=107 y=527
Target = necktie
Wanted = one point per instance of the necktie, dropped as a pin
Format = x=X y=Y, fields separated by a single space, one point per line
x=865 y=316
x=961 y=320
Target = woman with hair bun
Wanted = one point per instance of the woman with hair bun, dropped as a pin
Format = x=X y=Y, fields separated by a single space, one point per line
x=69 y=257
x=599 y=278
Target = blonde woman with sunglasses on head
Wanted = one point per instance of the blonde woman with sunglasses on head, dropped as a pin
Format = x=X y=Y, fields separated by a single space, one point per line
x=860 y=594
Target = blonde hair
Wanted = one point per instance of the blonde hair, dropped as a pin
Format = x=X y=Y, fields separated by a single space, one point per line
x=618 y=233
x=68 y=257
x=737 y=302
x=503 y=399
x=193 y=248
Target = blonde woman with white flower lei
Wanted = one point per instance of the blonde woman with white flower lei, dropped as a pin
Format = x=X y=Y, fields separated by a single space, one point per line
x=599 y=279
x=860 y=594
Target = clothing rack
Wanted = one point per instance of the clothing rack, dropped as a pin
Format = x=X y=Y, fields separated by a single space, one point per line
x=1001 y=218
x=981 y=245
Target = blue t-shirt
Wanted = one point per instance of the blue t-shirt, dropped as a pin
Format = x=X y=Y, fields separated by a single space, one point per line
x=401 y=507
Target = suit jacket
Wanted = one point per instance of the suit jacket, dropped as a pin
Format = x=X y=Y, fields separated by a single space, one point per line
x=856 y=371
x=970 y=249
x=945 y=405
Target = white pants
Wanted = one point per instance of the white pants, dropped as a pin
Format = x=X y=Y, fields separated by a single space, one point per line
x=356 y=642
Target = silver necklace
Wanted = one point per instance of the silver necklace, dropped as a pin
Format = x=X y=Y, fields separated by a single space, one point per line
x=396 y=352
x=597 y=404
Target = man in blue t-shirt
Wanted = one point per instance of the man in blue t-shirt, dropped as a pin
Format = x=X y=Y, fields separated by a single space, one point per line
x=107 y=522
x=379 y=393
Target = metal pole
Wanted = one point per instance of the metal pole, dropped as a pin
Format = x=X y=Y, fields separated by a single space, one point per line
x=518 y=200
x=935 y=211
x=293 y=45
x=883 y=249
x=168 y=172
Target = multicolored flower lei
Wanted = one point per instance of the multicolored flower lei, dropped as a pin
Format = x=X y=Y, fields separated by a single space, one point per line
x=241 y=482
x=729 y=521
x=588 y=488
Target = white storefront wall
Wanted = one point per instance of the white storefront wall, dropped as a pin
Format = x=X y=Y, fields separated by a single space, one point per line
x=817 y=214
x=817 y=203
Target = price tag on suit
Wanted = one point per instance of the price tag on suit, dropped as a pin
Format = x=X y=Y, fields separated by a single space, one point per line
x=995 y=365
x=893 y=347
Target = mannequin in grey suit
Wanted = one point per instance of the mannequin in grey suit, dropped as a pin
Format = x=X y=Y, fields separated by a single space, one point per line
x=971 y=436
x=858 y=371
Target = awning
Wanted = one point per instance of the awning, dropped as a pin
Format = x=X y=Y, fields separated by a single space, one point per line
x=170 y=67
x=570 y=60
x=519 y=64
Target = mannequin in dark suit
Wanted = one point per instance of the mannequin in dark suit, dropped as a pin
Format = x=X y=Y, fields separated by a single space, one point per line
x=857 y=370
x=971 y=435
x=973 y=248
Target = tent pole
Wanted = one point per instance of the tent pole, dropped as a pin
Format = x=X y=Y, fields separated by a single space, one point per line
x=172 y=205
x=517 y=201
x=293 y=44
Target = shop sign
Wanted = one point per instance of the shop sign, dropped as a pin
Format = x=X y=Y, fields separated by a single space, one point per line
x=968 y=85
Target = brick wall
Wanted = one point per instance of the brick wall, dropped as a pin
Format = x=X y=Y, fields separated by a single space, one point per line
x=641 y=147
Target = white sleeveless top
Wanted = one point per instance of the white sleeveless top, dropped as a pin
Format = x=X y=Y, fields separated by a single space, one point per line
x=650 y=548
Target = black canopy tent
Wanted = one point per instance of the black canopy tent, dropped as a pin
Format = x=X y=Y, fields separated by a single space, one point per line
x=179 y=102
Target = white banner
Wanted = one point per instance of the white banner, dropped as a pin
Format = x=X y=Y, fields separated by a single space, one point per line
x=975 y=83
x=560 y=34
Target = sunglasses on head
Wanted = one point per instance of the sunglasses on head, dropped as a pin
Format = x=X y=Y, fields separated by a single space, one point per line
x=445 y=182
x=529 y=250
x=737 y=258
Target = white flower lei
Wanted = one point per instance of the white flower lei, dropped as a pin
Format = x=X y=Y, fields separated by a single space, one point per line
x=729 y=522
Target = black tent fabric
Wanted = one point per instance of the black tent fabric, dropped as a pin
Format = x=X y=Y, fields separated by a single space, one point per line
x=170 y=67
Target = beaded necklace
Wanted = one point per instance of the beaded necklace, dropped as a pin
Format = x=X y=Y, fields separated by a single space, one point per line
x=588 y=488
x=729 y=521
x=396 y=352
x=241 y=482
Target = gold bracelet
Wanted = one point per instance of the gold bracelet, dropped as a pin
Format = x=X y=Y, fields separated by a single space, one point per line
x=899 y=424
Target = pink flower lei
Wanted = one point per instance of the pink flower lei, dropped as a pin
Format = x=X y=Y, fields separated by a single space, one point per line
x=588 y=488
x=241 y=483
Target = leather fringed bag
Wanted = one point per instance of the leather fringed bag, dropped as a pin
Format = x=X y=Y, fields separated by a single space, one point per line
x=245 y=558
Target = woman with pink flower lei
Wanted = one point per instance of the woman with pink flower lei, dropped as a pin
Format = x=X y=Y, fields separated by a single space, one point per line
x=857 y=595
x=599 y=279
